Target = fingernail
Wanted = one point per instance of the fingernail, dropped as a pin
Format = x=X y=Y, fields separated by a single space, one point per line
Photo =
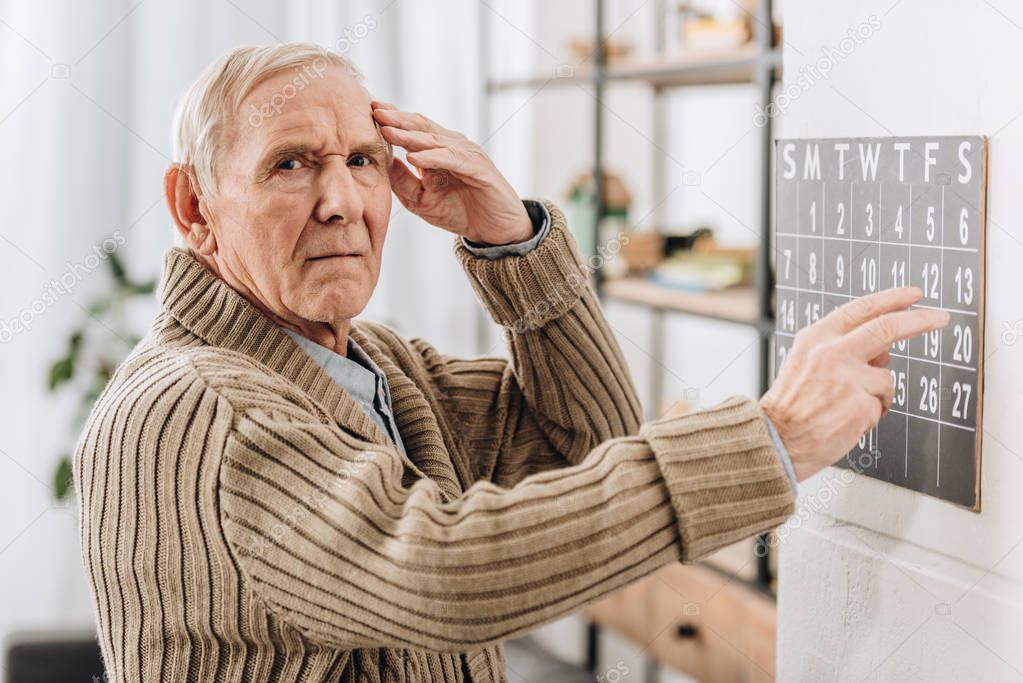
x=916 y=291
x=942 y=317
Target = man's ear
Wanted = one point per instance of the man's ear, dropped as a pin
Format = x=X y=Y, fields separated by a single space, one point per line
x=186 y=205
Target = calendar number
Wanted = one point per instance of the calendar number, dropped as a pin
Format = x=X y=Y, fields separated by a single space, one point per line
x=931 y=275
x=929 y=395
x=960 y=399
x=899 y=382
x=931 y=343
x=868 y=441
x=963 y=349
x=964 y=285
x=812 y=312
x=868 y=269
x=898 y=274
x=787 y=313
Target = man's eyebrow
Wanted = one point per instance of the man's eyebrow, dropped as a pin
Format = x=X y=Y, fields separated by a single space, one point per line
x=283 y=150
x=286 y=149
x=374 y=148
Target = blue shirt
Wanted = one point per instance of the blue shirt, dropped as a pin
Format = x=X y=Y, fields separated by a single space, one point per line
x=357 y=374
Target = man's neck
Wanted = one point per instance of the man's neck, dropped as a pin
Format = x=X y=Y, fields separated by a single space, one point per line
x=333 y=336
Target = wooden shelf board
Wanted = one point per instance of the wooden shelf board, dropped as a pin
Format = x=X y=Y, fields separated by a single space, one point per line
x=705 y=67
x=738 y=304
x=735 y=627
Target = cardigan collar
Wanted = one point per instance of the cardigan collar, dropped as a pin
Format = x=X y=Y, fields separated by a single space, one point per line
x=206 y=305
x=222 y=317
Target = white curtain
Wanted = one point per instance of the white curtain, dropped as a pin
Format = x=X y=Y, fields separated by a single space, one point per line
x=85 y=110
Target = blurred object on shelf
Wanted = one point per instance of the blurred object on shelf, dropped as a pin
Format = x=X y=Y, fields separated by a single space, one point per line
x=614 y=50
x=685 y=13
x=705 y=267
x=580 y=214
x=696 y=273
x=643 y=250
x=614 y=234
x=701 y=239
x=700 y=26
x=715 y=34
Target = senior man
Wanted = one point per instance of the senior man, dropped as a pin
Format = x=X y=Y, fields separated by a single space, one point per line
x=271 y=490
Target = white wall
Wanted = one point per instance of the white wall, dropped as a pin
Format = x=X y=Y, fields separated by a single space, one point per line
x=879 y=583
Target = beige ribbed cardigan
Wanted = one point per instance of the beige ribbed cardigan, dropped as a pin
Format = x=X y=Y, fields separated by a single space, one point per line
x=242 y=519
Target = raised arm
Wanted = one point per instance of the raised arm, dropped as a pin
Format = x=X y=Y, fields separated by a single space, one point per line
x=338 y=541
x=566 y=388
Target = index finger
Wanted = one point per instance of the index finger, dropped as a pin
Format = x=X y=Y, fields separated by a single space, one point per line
x=851 y=315
x=875 y=336
x=407 y=120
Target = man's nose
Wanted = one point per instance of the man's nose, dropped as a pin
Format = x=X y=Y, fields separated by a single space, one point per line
x=340 y=200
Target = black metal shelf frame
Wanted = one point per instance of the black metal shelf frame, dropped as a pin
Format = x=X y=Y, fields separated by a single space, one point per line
x=760 y=67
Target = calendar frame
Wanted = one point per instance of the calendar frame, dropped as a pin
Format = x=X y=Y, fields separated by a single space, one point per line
x=926 y=190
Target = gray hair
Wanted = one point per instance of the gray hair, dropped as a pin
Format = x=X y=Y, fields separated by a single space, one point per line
x=211 y=103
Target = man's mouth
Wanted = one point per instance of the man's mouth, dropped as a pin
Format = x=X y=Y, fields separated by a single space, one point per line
x=326 y=257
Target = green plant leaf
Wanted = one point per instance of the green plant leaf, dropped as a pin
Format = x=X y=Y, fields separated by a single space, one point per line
x=117 y=269
x=63 y=478
x=147 y=287
x=61 y=372
x=100 y=305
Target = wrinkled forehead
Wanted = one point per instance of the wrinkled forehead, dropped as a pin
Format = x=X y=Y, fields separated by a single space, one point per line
x=325 y=107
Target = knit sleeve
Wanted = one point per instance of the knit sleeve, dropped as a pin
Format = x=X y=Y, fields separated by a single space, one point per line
x=566 y=388
x=338 y=539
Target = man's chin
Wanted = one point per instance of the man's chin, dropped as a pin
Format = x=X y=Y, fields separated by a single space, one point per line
x=332 y=306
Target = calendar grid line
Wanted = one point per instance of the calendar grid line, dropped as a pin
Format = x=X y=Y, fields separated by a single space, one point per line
x=934 y=362
x=804 y=290
x=910 y=266
x=932 y=419
x=970 y=250
x=902 y=355
x=941 y=300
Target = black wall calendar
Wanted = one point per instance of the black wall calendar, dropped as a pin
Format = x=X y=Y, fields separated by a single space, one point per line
x=857 y=215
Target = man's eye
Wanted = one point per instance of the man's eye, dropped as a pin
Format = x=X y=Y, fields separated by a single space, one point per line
x=361 y=157
x=290 y=165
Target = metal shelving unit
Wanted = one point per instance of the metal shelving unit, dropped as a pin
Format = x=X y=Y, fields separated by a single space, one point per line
x=757 y=64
